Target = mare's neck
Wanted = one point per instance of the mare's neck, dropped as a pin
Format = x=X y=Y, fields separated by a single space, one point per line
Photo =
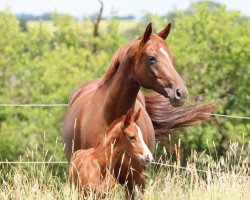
x=121 y=90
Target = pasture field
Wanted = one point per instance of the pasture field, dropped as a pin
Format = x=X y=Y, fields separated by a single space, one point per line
x=123 y=25
x=42 y=62
x=203 y=178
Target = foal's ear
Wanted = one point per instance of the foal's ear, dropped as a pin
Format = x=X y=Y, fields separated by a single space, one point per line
x=146 y=34
x=126 y=121
x=164 y=33
x=135 y=116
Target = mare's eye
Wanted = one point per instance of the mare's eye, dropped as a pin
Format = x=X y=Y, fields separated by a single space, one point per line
x=131 y=137
x=152 y=60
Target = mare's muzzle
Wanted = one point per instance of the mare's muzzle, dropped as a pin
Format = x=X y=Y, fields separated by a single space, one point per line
x=177 y=96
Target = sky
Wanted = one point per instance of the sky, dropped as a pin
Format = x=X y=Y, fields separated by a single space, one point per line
x=81 y=8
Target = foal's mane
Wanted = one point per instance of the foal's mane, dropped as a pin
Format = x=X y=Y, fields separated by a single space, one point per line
x=110 y=127
x=113 y=124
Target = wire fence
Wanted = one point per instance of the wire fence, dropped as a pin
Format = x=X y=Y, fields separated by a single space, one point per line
x=65 y=105
x=192 y=168
x=64 y=162
x=33 y=162
x=34 y=105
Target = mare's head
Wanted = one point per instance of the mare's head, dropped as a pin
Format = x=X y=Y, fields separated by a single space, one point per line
x=154 y=66
x=131 y=139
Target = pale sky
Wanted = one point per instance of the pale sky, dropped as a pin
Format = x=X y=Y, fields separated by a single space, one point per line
x=80 y=8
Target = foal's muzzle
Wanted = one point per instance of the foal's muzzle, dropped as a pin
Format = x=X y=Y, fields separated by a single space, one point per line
x=146 y=159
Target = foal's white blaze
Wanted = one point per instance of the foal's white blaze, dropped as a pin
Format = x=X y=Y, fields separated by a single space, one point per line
x=146 y=151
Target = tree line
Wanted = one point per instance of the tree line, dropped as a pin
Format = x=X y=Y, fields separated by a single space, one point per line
x=44 y=63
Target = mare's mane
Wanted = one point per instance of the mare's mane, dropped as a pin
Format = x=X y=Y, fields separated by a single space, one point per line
x=115 y=63
x=118 y=56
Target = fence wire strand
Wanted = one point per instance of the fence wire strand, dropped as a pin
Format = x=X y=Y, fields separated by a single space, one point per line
x=34 y=105
x=33 y=162
x=65 y=105
x=228 y=116
x=189 y=168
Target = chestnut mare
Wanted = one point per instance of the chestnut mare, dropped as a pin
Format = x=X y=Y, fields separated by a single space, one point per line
x=91 y=170
x=94 y=105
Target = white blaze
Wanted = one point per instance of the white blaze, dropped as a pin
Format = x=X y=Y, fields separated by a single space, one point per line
x=163 y=51
x=144 y=146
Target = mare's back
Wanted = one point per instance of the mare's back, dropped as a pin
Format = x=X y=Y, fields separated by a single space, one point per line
x=84 y=90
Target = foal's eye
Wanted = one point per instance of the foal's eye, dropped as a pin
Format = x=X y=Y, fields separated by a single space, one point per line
x=131 y=137
x=152 y=60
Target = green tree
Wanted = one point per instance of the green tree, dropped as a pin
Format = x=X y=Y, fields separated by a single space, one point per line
x=211 y=46
x=45 y=62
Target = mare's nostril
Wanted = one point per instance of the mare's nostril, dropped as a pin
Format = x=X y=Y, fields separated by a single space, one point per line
x=178 y=94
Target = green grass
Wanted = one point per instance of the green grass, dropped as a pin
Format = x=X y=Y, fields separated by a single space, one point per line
x=227 y=178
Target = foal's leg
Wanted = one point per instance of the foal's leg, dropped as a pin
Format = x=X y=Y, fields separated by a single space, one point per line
x=130 y=174
x=135 y=179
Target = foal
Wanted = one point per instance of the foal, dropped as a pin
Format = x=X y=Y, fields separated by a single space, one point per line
x=92 y=169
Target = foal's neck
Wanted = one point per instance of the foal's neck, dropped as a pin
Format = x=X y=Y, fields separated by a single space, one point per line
x=121 y=90
x=108 y=151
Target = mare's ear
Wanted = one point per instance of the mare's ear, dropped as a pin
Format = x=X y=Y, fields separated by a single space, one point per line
x=126 y=121
x=146 y=34
x=164 y=33
x=135 y=116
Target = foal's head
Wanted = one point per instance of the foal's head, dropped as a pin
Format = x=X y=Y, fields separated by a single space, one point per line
x=131 y=140
x=155 y=67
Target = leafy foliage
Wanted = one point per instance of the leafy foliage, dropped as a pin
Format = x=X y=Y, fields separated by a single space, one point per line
x=211 y=46
x=42 y=64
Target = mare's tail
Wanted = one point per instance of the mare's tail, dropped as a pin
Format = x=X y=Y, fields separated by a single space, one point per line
x=168 y=119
